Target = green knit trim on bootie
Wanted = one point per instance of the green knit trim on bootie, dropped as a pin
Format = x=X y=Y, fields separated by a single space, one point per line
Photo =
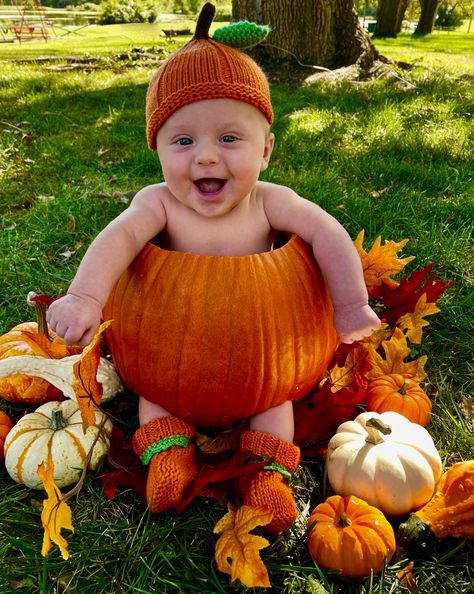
x=274 y=466
x=278 y=468
x=164 y=444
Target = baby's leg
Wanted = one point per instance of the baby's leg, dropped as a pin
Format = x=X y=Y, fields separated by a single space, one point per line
x=165 y=443
x=277 y=420
x=149 y=411
x=270 y=440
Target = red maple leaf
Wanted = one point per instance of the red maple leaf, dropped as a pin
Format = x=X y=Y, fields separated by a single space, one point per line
x=125 y=468
x=318 y=416
x=403 y=298
x=217 y=481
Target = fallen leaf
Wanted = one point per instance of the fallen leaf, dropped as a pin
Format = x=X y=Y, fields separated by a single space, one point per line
x=381 y=262
x=344 y=376
x=403 y=298
x=406 y=578
x=412 y=324
x=467 y=408
x=86 y=387
x=396 y=350
x=217 y=480
x=237 y=551
x=56 y=513
x=127 y=469
x=320 y=413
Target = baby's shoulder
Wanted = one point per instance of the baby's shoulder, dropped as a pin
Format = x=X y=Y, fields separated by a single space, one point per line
x=271 y=191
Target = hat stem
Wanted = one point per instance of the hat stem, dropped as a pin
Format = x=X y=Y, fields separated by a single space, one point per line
x=204 y=21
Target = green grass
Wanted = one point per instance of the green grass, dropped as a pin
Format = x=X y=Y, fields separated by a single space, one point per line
x=392 y=155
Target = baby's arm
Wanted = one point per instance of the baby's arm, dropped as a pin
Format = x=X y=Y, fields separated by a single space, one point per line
x=335 y=253
x=77 y=315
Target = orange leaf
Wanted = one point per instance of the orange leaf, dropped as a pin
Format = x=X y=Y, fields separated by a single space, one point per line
x=344 y=376
x=406 y=578
x=237 y=551
x=88 y=390
x=55 y=349
x=56 y=513
x=381 y=262
x=396 y=350
x=412 y=323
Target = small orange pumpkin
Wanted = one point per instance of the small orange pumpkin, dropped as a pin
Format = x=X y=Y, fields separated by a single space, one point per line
x=5 y=426
x=32 y=338
x=215 y=339
x=396 y=393
x=350 y=536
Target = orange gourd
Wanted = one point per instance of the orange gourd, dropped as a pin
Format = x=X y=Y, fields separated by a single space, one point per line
x=214 y=339
x=31 y=338
x=394 y=392
x=450 y=512
x=350 y=536
x=5 y=426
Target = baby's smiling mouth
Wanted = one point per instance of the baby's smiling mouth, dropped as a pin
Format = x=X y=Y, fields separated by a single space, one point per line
x=209 y=185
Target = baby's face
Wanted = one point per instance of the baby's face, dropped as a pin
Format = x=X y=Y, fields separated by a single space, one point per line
x=212 y=153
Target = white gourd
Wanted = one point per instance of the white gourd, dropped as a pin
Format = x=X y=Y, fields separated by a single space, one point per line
x=389 y=462
x=60 y=373
x=55 y=426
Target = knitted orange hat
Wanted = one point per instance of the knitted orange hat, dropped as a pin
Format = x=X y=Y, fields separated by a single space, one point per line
x=204 y=69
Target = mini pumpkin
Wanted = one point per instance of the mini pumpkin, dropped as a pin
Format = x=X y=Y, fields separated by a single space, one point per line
x=394 y=392
x=450 y=512
x=5 y=426
x=215 y=339
x=55 y=427
x=32 y=338
x=384 y=459
x=350 y=536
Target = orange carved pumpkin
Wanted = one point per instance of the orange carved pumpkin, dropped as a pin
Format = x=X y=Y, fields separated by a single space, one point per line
x=5 y=426
x=394 y=392
x=32 y=338
x=214 y=339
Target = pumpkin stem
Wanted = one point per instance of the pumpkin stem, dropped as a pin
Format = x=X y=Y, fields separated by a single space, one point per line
x=40 y=311
x=403 y=389
x=375 y=427
x=57 y=420
x=344 y=521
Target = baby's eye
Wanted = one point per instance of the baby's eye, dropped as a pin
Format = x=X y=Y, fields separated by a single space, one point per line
x=228 y=138
x=184 y=141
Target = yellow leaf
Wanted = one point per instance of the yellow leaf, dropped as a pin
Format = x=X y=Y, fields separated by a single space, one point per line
x=412 y=323
x=381 y=261
x=86 y=387
x=56 y=513
x=237 y=551
x=396 y=350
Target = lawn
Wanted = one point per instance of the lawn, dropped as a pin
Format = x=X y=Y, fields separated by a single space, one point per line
x=392 y=155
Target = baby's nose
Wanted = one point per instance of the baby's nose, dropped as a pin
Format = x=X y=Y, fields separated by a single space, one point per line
x=207 y=154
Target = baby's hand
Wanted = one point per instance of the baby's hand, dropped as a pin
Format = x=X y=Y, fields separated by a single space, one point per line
x=355 y=322
x=74 y=318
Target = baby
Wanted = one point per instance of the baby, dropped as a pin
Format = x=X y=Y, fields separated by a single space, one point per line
x=208 y=117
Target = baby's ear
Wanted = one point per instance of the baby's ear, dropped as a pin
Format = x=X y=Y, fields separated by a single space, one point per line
x=267 y=151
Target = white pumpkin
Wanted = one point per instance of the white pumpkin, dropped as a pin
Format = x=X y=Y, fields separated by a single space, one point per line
x=55 y=426
x=385 y=460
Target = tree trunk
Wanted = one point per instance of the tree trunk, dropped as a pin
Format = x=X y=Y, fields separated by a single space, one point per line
x=320 y=32
x=401 y=13
x=390 y=16
x=387 y=18
x=427 y=17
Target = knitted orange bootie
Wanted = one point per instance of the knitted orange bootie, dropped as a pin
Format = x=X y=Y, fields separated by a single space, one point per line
x=166 y=445
x=270 y=486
